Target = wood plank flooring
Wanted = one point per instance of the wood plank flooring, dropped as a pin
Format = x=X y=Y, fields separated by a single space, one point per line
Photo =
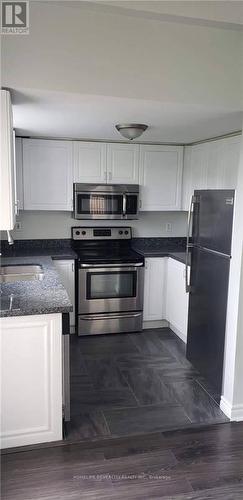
x=126 y=384
x=190 y=464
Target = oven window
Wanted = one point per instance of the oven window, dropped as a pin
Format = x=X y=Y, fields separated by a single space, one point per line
x=111 y=285
x=99 y=204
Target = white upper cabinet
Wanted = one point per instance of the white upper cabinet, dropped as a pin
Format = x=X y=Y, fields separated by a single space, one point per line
x=7 y=171
x=19 y=173
x=122 y=163
x=230 y=159
x=48 y=174
x=89 y=162
x=194 y=172
x=160 y=177
x=211 y=165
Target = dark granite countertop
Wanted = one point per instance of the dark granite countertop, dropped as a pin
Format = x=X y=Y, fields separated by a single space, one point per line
x=57 y=249
x=180 y=255
x=161 y=247
x=49 y=296
x=34 y=297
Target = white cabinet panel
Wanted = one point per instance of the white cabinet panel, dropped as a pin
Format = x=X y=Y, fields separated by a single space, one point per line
x=161 y=177
x=31 y=375
x=48 y=174
x=66 y=270
x=230 y=159
x=19 y=172
x=195 y=171
x=7 y=169
x=89 y=162
x=154 y=289
x=176 y=298
x=212 y=165
x=122 y=163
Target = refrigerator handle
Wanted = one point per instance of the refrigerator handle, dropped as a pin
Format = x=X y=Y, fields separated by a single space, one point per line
x=188 y=245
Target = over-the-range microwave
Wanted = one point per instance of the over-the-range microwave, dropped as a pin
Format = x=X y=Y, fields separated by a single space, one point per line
x=106 y=201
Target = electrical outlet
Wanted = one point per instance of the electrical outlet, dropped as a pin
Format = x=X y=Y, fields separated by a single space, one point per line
x=18 y=226
x=168 y=227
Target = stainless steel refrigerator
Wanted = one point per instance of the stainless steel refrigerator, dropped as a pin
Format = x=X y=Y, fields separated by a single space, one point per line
x=211 y=216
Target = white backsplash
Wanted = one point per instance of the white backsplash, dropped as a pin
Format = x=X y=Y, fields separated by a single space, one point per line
x=49 y=225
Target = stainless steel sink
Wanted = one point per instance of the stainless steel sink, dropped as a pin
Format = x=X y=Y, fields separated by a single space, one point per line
x=26 y=272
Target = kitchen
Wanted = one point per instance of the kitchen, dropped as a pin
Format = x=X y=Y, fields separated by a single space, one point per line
x=98 y=268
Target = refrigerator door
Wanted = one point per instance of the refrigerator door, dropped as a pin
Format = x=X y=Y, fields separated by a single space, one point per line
x=212 y=219
x=207 y=314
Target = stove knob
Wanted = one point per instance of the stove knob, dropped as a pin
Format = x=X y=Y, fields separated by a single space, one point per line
x=83 y=232
x=120 y=232
x=77 y=232
x=126 y=232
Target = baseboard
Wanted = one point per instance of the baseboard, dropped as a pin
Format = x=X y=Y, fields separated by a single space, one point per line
x=179 y=334
x=155 y=324
x=234 y=413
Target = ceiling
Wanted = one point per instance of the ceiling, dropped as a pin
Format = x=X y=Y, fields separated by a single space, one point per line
x=86 y=66
x=58 y=114
x=216 y=12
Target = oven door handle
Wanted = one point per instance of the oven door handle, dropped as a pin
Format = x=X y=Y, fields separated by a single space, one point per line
x=111 y=316
x=127 y=264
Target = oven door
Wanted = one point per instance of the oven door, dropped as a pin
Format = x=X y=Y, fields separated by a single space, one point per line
x=110 y=289
x=98 y=205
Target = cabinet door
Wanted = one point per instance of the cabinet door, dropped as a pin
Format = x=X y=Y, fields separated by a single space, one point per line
x=19 y=173
x=122 y=163
x=230 y=159
x=89 y=162
x=194 y=172
x=31 y=374
x=223 y=163
x=176 y=298
x=7 y=170
x=48 y=177
x=154 y=289
x=161 y=177
x=67 y=276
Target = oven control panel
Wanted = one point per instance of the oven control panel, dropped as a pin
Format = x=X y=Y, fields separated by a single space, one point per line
x=101 y=233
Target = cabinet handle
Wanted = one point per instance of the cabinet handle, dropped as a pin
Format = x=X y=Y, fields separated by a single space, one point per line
x=110 y=176
x=73 y=267
x=140 y=203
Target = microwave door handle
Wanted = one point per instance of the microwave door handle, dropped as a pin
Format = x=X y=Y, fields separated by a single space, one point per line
x=124 y=204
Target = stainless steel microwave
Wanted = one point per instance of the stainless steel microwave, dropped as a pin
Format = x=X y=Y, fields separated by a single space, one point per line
x=106 y=201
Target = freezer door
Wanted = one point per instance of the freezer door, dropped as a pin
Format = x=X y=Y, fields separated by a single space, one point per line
x=207 y=314
x=213 y=219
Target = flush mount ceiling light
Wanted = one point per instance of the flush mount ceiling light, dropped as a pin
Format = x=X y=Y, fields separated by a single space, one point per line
x=131 y=130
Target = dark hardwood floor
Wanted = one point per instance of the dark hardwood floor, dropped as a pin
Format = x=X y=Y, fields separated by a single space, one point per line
x=204 y=464
x=135 y=383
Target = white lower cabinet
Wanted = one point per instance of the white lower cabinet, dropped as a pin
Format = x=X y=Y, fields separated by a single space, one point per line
x=176 y=311
x=154 y=289
x=66 y=269
x=165 y=297
x=31 y=375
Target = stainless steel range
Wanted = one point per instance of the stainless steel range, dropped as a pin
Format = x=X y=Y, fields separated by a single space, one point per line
x=110 y=281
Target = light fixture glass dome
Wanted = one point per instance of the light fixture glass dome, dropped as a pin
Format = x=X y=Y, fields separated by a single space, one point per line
x=131 y=130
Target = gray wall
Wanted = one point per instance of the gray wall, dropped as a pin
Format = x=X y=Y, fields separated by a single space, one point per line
x=57 y=224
